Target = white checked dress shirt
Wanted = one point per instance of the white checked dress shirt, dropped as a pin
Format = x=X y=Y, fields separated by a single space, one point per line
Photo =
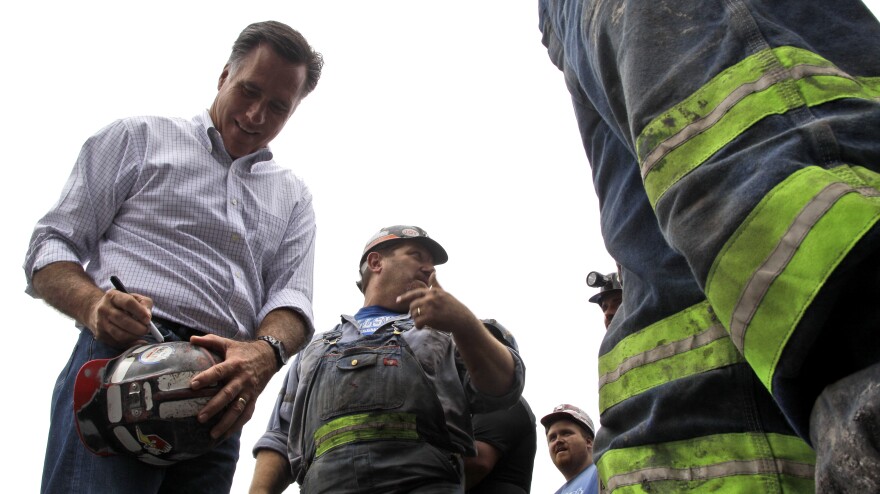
x=216 y=243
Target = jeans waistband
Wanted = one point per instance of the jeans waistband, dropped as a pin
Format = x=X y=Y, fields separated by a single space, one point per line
x=183 y=332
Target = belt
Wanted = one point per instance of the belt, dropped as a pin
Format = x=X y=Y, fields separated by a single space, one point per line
x=181 y=331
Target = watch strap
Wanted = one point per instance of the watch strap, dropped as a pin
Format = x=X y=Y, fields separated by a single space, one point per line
x=280 y=354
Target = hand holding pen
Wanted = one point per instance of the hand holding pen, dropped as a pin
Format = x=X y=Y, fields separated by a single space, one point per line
x=117 y=283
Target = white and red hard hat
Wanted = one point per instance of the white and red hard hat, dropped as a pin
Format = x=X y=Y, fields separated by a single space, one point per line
x=140 y=403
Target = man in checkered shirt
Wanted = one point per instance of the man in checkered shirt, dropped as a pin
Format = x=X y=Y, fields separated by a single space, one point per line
x=215 y=242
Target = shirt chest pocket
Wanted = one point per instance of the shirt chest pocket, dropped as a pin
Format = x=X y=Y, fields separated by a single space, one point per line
x=362 y=380
x=267 y=231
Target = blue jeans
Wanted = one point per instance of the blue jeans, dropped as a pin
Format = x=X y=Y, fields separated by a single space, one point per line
x=70 y=468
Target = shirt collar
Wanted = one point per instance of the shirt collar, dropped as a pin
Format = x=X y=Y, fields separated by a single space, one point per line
x=351 y=319
x=211 y=139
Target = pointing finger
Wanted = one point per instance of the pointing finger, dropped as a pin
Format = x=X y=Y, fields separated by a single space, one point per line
x=432 y=281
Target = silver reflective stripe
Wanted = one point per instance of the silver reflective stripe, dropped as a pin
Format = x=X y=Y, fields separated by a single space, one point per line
x=712 y=333
x=727 y=469
x=699 y=126
x=777 y=261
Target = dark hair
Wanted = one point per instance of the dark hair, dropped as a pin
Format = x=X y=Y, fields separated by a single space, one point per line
x=286 y=41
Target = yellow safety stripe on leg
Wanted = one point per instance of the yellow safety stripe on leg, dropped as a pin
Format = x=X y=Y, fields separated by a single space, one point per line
x=364 y=427
x=682 y=345
x=770 y=82
x=739 y=462
x=771 y=269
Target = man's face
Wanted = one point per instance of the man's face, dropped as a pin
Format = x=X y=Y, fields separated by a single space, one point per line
x=254 y=102
x=609 y=303
x=571 y=448
x=408 y=266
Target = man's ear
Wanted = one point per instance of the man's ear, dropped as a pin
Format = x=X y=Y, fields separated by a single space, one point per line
x=223 y=76
x=374 y=262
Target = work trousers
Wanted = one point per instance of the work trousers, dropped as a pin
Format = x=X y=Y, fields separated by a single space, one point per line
x=735 y=153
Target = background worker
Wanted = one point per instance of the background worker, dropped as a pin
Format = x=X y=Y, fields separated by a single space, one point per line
x=506 y=443
x=569 y=432
x=214 y=240
x=383 y=402
x=610 y=294
x=734 y=153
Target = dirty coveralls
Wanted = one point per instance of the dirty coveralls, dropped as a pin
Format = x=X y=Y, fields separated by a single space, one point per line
x=735 y=149
x=387 y=412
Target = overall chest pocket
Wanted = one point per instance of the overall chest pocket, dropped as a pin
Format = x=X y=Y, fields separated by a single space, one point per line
x=362 y=379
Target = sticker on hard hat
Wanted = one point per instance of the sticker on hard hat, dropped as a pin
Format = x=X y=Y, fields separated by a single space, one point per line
x=156 y=354
x=152 y=443
x=182 y=408
x=409 y=232
x=175 y=381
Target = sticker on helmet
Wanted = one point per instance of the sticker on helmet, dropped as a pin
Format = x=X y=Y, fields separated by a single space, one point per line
x=175 y=381
x=182 y=408
x=409 y=232
x=121 y=370
x=156 y=354
x=154 y=444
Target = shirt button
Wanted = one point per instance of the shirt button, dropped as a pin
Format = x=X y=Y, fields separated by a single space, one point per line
x=354 y=362
x=235 y=237
x=235 y=202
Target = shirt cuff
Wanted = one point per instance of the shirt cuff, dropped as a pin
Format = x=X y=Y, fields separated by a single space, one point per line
x=274 y=440
x=483 y=403
x=294 y=300
x=48 y=251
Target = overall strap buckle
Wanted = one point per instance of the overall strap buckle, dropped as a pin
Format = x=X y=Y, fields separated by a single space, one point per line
x=332 y=337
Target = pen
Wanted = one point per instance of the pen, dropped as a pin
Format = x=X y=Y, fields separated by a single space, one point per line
x=117 y=284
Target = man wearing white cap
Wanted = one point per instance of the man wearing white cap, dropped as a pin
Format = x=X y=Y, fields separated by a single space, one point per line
x=570 y=435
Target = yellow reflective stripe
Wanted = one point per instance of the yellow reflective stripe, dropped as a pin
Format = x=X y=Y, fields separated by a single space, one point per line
x=687 y=323
x=716 y=94
x=740 y=483
x=739 y=462
x=771 y=269
x=364 y=427
x=687 y=343
x=771 y=82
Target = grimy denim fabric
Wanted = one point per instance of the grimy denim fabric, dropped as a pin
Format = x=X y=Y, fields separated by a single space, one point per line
x=627 y=62
x=378 y=373
x=70 y=468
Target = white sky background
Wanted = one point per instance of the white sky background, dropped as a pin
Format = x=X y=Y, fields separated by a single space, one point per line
x=448 y=115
